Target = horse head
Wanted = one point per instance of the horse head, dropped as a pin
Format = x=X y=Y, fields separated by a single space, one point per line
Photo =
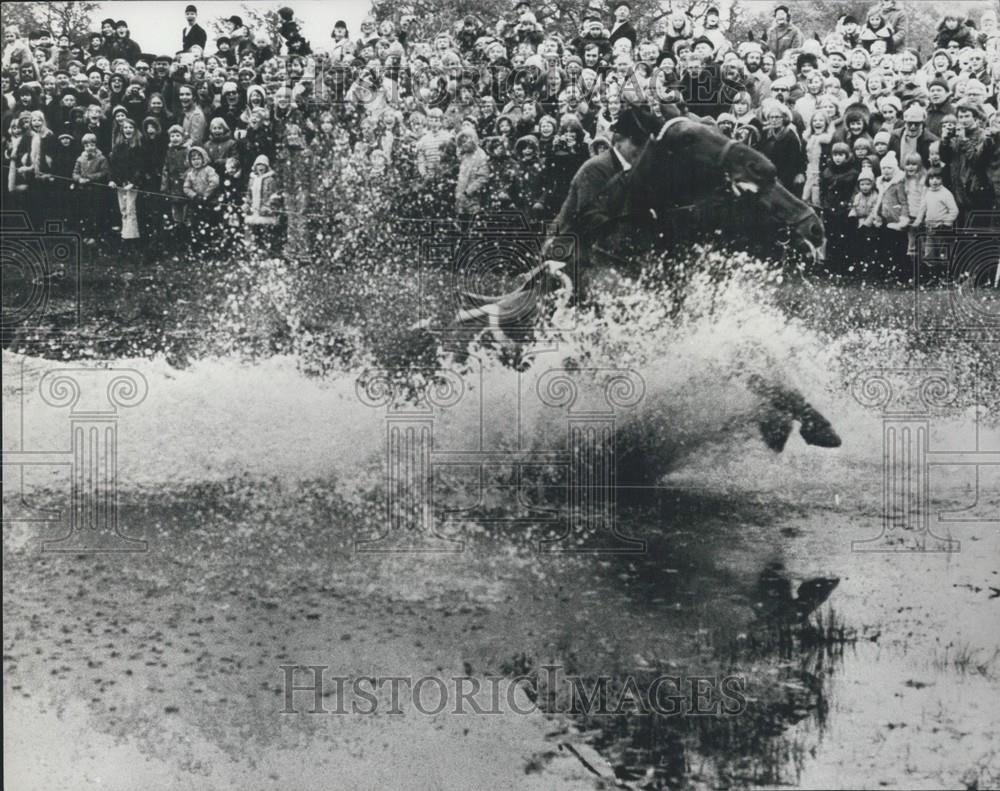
x=688 y=163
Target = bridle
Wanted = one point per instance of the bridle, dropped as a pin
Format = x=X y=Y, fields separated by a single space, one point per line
x=806 y=215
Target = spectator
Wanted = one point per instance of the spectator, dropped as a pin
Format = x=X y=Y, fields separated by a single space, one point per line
x=122 y=45
x=193 y=35
x=781 y=144
x=261 y=205
x=473 y=174
x=192 y=116
x=90 y=172
x=937 y=214
x=783 y=36
x=965 y=149
x=893 y=217
x=895 y=18
x=201 y=184
x=173 y=173
x=125 y=176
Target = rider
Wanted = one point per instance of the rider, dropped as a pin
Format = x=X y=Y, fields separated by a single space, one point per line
x=584 y=212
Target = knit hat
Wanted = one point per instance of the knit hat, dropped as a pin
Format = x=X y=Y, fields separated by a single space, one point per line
x=882 y=136
x=866 y=173
x=892 y=101
x=940 y=81
x=176 y=128
x=889 y=160
x=703 y=40
x=230 y=87
x=915 y=113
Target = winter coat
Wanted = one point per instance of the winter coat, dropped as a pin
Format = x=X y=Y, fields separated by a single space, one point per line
x=200 y=183
x=966 y=158
x=219 y=150
x=781 y=39
x=922 y=146
x=837 y=185
x=126 y=164
x=195 y=126
x=893 y=205
x=174 y=170
x=93 y=168
x=473 y=176
x=261 y=198
x=785 y=151
x=963 y=34
x=895 y=18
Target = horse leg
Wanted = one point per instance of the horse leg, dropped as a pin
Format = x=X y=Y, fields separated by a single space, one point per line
x=784 y=406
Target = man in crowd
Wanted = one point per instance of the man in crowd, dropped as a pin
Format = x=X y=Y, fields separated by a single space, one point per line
x=193 y=35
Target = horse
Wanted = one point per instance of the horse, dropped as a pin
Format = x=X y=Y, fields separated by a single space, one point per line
x=690 y=180
x=685 y=167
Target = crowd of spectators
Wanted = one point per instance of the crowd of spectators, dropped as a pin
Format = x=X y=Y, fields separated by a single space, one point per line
x=245 y=140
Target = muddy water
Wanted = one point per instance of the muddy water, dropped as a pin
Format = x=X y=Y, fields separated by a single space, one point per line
x=251 y=483
x=169 y=660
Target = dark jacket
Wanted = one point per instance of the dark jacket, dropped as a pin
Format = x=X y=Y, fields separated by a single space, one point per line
x=923 y=146
x=967 y=158
x=837 y=185
x=781 y=39
x=784 y=150
x=963 y=34
x=126 y=163
x=584 y=210
x=125 y=48
x=626 y=30
x=196 y=36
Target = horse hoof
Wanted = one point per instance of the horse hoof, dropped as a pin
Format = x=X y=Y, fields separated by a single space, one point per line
x=775 y=429
x=816 y=429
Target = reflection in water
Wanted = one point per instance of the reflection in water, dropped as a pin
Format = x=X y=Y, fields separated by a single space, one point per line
x=785 y=667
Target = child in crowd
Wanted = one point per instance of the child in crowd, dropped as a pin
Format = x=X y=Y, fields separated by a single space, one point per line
x=914 y=181
x=937 y=214
x=174 y=170
x=818 y=139
x=863 y=210
x=90 y=174
x=259 y=205
x=201 y=183
x=892 y=214
x=837 y=184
